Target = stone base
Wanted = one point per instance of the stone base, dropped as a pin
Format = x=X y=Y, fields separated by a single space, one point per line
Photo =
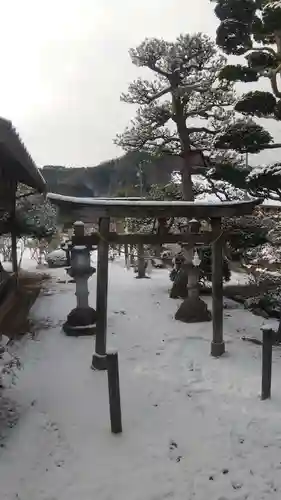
x=99 y=362
x=80 y=331
x=80 y=321
x=143 y=277
x=193 y=310
x=217 y=349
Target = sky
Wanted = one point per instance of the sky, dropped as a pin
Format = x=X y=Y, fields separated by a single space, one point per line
x=64 y=64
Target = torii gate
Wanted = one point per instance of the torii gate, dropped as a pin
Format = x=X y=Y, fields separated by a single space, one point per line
x=90 y=209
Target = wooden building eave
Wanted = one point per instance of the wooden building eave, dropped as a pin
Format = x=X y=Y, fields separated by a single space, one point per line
x=16 y=161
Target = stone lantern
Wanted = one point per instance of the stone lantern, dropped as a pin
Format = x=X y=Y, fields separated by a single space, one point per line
x=82 y=319
x=193 y=309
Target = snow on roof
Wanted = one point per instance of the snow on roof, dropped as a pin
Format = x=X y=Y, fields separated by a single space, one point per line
x=123 y=202
x=89 y=209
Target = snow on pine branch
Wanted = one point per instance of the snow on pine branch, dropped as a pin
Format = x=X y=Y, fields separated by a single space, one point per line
x=265 y=180
x=210 y=190
x=265 y=170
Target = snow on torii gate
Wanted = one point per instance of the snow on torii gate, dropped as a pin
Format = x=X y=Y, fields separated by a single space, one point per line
x=90 y=209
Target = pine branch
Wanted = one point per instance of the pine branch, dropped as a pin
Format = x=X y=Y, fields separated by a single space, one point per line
x=160 y=94
x=25 y=195
x=262 y=147
x=273 y=80
x=193 y=130
x=261 y=49
x=158 y=70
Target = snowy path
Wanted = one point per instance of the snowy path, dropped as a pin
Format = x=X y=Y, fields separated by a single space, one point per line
x=194 y=427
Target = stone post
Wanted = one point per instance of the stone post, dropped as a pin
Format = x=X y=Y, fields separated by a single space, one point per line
x=141 y=262
x=217 y=346
x=99 y=356
x=267 y=343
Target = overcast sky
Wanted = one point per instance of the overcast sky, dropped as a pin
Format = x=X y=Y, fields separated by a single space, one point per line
x=64 y=64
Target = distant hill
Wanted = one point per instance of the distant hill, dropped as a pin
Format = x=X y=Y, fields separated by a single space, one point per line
x=112 y=178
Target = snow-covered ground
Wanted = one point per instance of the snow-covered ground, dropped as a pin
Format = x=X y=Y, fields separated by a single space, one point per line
x=26 y=262
x=193 y=426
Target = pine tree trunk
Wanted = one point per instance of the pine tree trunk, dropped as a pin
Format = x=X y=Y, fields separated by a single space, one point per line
x=180 y=119
x=157 y=251
x=132 y=258
x=187 y=189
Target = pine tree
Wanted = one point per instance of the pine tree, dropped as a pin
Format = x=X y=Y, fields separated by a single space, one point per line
x=252 y=28
x=184 y=107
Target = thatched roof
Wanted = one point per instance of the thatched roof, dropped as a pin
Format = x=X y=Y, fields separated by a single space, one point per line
x=15 y=161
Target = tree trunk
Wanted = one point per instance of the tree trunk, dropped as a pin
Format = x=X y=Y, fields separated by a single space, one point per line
x=187 y=189
x=157 y=251
x=180 y=120
x=132 y=258
x=193 y=301
x=162 y=229
x=141 y=261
